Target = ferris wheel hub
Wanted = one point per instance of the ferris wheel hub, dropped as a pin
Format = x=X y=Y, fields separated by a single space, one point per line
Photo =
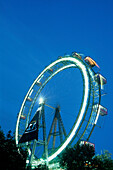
x=41 y=100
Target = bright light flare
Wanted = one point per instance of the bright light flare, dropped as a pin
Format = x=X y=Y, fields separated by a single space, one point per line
x=41 y=100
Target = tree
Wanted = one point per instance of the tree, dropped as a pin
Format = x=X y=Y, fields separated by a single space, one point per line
x=77 y=157
x=104 y=161
x=11 y=156
x=83 y=157
x=42 y=167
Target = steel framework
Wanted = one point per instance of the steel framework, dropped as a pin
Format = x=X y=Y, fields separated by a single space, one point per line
x=85 y=121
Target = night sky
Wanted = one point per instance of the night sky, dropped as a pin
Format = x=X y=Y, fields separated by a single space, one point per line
x=35 y=33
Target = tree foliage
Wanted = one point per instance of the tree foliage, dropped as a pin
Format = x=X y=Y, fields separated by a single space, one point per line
x=42 y=167
x=104 y=161
x=76 y=157
x=11 y=156
x=83 y=157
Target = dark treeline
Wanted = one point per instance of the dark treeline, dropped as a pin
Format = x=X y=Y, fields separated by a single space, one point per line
x=75 y=158
x=11 y=156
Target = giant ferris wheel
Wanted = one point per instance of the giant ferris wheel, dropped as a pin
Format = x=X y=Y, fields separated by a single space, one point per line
x=41 y=125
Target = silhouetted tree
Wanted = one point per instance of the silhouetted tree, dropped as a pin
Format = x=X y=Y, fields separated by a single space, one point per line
x=42 y=167
x=76 y=157
x=83 y=157
x=104 y=161
x=11 y=157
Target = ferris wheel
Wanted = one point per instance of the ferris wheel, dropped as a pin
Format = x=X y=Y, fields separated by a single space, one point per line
x=41 y=127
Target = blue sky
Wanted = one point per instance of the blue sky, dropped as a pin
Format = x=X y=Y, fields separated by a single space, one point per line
x=35 y=33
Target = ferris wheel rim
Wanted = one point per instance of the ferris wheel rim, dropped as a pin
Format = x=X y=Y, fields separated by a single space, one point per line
x=81 y=65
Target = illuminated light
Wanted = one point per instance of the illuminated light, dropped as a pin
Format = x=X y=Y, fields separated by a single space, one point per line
x=41 y=100
x=27 y=161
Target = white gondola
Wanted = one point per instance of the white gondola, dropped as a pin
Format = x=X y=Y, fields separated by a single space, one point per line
x=23 y=117
x=87 y=143
x=102 y=110
x=38 y=83
x=74 y=54
x=100 y=80
x=50 y=70
x=29 y=99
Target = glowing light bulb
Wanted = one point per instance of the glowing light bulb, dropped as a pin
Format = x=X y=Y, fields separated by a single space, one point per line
x=41 y=100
